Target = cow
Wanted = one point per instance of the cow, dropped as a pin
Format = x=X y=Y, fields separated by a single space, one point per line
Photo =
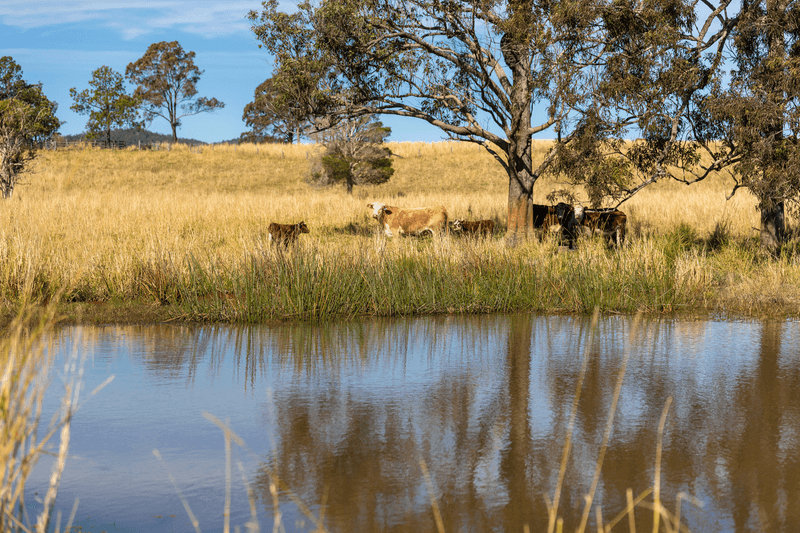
x=286 y=234
x=610 y=223
x=570 y=227
x=544 y=216
x=409 y=220
x=477 y=227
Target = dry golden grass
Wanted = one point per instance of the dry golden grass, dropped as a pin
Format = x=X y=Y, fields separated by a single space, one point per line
x=232 y=189
x=88 y=219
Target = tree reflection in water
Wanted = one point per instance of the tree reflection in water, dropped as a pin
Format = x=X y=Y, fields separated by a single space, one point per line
x=492 y=436
x=485 y=402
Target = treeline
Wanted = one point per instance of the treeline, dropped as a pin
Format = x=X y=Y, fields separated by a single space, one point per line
x=132 y=136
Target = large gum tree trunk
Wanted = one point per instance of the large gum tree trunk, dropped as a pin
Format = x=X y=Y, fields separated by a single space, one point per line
x=520 y=196
x=773 y=227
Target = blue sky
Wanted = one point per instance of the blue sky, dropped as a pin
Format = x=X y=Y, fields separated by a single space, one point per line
x=61 y=42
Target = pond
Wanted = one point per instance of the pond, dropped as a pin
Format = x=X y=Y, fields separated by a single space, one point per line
x=339 y=420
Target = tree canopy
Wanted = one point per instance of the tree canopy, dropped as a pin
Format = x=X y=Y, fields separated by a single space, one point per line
x=499 y=72
x=166 y=79
x=272 y=118
x=354 y=154
x=106 y=102
x=750 y=122
x=27 y=118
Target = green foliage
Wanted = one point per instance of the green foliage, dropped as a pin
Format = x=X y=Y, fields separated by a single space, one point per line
x=752 y=123
x=107 y=103
x=271 y=118
x=27 y=118
x=166 y=79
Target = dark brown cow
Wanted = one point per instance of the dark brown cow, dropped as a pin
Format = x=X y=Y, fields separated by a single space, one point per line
x=544 y=216
x=610 y=223
x=286 y=233
x=477 y=227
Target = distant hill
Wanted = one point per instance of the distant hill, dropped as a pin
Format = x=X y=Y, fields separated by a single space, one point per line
x=131 y=136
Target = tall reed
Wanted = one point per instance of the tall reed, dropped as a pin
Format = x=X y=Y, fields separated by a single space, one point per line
x=26 y=362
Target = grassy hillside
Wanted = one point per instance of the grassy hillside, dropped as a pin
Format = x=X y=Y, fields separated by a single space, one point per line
x=182 y=234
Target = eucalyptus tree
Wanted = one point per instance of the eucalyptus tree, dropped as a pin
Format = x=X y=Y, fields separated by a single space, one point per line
x=488 y=72
x=27 y=118
x=272 y=117
x=166 y=79
x=750 y=123
x=496 y=73
x=107 y=103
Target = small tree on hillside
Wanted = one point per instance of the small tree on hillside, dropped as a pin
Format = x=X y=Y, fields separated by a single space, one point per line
x=354 y=154
x=107 y=103
x=27 y=118
x=270 y=120
x=167 y=84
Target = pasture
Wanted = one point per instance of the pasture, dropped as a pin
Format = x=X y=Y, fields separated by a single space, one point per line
x=182 y=234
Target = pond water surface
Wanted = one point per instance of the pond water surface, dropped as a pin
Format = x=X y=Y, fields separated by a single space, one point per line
x=340 y=416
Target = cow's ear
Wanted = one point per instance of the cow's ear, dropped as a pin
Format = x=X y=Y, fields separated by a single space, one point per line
x=387 y=211
x=370 y=206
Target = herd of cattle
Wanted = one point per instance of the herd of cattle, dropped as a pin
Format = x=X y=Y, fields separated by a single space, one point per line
x=570 y=221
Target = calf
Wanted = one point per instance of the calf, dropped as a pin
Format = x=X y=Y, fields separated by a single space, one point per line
x=409 y=220
x=286 y=233
x=477 y=227
x=610 y=223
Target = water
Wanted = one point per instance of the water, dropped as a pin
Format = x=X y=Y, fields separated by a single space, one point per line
x=340 y=416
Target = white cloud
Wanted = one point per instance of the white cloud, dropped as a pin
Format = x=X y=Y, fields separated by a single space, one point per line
x=210 y=19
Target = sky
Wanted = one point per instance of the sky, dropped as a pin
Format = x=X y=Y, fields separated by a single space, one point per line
x=61 y=42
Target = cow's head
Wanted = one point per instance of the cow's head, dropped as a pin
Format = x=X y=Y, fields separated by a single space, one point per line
x=378 y=210
x=301 y=227
x=564 y=213
x=579 y=214
x=457 y=225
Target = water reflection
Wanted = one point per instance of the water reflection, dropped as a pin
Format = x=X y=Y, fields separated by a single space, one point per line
x=343 y=413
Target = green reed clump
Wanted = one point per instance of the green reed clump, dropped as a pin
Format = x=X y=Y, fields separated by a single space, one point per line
x=412 y=278
x=345 y=276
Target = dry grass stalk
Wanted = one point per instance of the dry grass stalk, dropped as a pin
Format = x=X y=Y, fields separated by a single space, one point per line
x=437 y=515
x=26 y=363
x=657 y=481
x=607 y=433
x=552 y=508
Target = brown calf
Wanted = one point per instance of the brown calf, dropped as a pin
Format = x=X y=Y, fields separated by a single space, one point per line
x=477 y=227
x=286 y=233
x=610 y=223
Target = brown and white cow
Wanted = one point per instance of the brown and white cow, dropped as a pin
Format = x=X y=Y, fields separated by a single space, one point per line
x=610 y=223
x=477 y=227
x=286 y=234
x=409 y=220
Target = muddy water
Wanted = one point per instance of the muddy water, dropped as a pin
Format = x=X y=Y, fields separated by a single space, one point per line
x=340 y=417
